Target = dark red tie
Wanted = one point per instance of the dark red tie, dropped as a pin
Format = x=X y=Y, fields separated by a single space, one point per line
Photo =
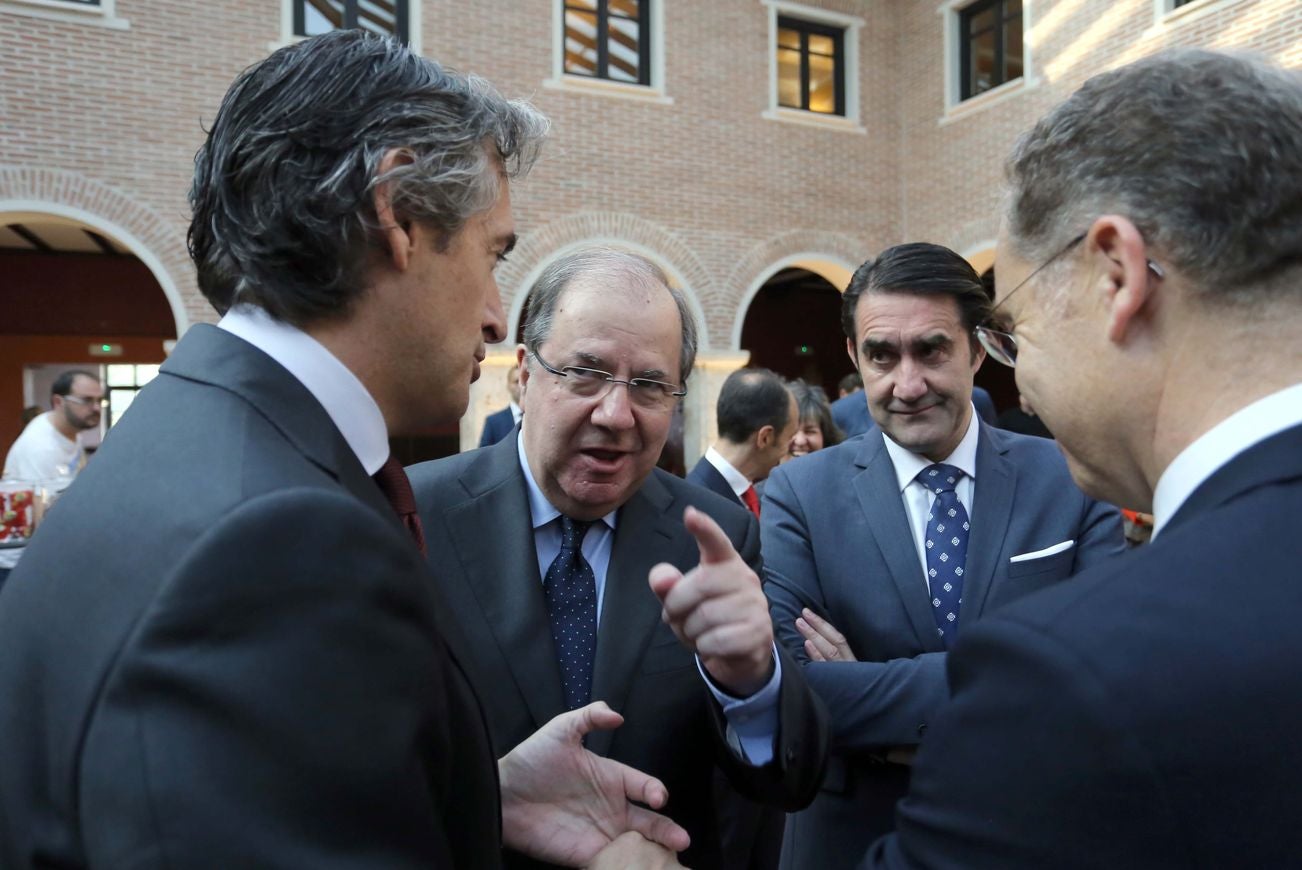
x=397 y=489
x=752 y=500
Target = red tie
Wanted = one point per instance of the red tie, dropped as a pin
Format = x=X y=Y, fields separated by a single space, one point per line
x=396 y=487
x=752 y=500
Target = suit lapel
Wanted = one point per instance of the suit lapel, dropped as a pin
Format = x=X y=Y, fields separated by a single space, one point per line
x=879 y=496
x=504 y=578
x=630 y=610
x=996 y=483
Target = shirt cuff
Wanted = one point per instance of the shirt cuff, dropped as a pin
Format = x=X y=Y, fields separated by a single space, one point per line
x=752 y=721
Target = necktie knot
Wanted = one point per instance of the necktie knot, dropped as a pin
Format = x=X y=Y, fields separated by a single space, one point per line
x=572 y=532
x=940 y=477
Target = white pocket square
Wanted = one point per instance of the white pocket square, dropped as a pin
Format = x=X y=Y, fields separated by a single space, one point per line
x=1047 y=551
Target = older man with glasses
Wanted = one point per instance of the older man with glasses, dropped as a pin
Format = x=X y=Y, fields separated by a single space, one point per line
x=581 y=572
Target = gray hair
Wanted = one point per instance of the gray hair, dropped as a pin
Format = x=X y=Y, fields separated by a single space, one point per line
x=607 y=266
x=283 y=192
x=1198 y=149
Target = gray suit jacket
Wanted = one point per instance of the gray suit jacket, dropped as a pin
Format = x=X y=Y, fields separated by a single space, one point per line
x=836 y=539
x=223 y=650
x=475 y=511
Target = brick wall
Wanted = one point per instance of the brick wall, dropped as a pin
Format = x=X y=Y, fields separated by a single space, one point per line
x=103 y=123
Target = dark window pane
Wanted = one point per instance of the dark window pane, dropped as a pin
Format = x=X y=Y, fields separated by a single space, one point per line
x=1012 y=7
x=388 y=17
x=1013 y=50
x=983 y=20
x=580 y=43
x=322 y=16
x=982 y=70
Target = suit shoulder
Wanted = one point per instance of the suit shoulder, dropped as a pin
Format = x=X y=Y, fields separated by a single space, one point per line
x=821 y=467
x=723 y=510
x=437 y=471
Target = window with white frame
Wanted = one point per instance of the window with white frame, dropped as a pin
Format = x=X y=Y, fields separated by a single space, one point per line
x=94 y=12
x=990 y=45
x=387 y=17
x=813 y=64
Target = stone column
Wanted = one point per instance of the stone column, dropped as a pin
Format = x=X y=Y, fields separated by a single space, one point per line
x=488 y=394
x=700 y=426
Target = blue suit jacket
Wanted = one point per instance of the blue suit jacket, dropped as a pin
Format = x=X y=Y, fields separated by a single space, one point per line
x=850 y=413
x=836 y=539
x=497 y=426
x=706 y=475
x=1145 y=715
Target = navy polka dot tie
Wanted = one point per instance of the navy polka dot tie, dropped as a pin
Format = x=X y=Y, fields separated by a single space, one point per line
x=946 y=542
x=570 y=591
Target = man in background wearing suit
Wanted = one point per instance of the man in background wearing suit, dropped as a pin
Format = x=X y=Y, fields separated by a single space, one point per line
x=1145 y=715
x=500 y=423
x=757 y=418
x=878 y=553
x=224 y=649
x=561 y=549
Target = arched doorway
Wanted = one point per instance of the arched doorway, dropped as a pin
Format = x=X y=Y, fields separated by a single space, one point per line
x=995 y=378
x=793 y=326
x=74 y=296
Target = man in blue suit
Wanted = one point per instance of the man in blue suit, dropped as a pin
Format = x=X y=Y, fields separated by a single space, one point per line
x=881 y=551
x=1146 y=714
x=500 y=423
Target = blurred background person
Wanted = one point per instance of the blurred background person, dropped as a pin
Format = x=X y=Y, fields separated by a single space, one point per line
x=815 y=428
x=500 y=423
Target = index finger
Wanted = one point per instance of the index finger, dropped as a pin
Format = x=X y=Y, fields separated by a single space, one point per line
x=710 y=539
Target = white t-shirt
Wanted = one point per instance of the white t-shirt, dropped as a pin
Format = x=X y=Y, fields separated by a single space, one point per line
x=41 y=453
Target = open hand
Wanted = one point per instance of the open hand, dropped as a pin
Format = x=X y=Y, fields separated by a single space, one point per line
x=563 y=804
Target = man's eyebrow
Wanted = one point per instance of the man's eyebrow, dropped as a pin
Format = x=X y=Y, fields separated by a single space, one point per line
x=591 y=360
x=875 y=344
x=938 y=341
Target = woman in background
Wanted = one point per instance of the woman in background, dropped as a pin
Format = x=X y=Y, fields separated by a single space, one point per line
x=816 y=429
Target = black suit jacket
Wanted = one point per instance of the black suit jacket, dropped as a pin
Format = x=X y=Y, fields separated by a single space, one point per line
x=223 y=650
x=706 y=475
x=1144 y=715
x=475 y=510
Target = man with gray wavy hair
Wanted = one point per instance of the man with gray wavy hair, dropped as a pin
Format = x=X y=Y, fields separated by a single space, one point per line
x=1145 y=714
x=224 y=648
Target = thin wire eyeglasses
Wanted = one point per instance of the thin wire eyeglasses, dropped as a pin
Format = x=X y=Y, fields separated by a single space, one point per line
x=593 y=383
x=1002 y=346
x=85 y=402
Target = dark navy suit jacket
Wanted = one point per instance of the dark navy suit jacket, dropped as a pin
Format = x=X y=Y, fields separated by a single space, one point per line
x=836 y=539
x=1145 y=715
x=706 y=475
x=497 y=426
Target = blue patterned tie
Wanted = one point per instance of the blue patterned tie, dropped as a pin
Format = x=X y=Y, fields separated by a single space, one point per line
x=570 y=591
x=946 y=541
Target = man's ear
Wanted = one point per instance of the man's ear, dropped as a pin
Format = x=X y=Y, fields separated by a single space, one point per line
x=764 y=436
x=394 y=229
x=520 y=354
x=852 y=353
x=1126 y=281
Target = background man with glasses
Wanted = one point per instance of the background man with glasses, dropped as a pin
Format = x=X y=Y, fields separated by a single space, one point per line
x=1146 y=714
x=48 y=448
x=879 y=553
x=561 y=549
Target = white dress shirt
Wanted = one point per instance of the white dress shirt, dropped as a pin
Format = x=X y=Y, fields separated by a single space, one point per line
x=345 y=399
x=918 y=498
x=516 y=412
x=753 y=721
x=735 y=478
x=1219 y=445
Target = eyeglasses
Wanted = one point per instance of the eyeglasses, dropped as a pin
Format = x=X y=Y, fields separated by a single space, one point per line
x=1002 y=346
x=87 y=402
x=592 y=383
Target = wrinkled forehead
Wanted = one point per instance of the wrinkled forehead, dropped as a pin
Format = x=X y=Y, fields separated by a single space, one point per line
x=619 y=320
x=906 y=315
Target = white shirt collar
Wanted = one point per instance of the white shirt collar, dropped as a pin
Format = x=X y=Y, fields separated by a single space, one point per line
x=351 y=408
x=908 y=464
x=541 y=510
x=1220 y=444
x=735 y=478
x=516 y=411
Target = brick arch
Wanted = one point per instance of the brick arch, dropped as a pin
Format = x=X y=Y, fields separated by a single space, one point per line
x=833 y=256
x=538 y=248
x=148 y=235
